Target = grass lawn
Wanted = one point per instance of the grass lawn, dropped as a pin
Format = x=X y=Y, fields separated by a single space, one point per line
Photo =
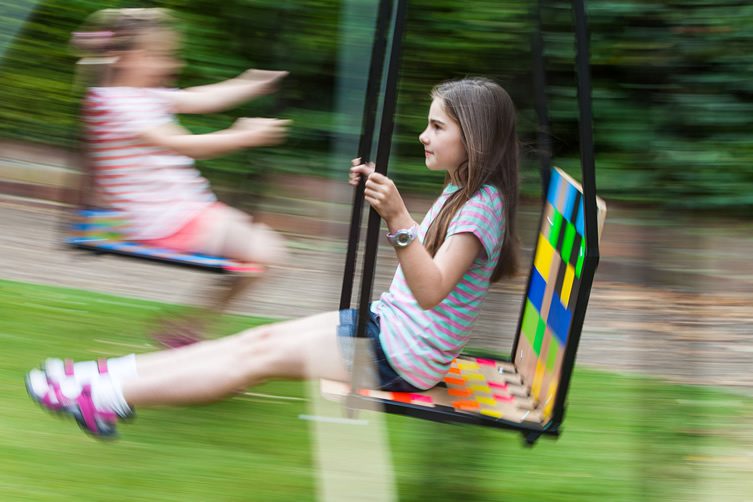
x=625 y=437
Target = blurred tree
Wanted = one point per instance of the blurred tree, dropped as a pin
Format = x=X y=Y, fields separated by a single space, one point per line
x=672 y=83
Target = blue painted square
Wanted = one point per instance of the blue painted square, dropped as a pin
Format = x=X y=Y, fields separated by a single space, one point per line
x=559 y=320
x=570 y=195
x=537 y=289
x=579 y=223
x=554 y=188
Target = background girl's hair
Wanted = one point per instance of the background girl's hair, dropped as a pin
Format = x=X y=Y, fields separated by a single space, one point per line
x=108 y=31
x=487 y=118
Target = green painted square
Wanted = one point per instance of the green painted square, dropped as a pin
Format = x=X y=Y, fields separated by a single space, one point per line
x=581 y=257
x=554 y=232
x=530 y=320
x=567 y=243
x=540 y=330
x=551 y=357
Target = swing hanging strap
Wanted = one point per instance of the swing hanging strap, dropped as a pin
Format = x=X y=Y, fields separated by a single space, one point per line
x=591 y=254
x=384 y=145
x=373 y=84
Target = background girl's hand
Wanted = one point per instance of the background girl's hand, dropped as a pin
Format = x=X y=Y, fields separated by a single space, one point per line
x=262 y=131
x=358 y=169
x=266 y=80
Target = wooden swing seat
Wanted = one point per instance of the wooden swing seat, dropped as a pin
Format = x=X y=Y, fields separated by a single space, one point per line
x=101 y=231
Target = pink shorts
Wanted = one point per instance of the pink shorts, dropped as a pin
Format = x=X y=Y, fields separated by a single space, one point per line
x=189 y=238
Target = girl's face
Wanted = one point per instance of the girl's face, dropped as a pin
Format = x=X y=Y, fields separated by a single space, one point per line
x=152 y=62
x=442 y=140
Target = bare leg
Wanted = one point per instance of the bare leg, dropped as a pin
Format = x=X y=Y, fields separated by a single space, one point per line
x=236 y=237
x=231 y=234
x=232 y=288
x=211 y=370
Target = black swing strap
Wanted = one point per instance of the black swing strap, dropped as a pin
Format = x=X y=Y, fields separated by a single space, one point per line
x=378 y=50
x=591 y=258
x=543 y=139
x=382 y=160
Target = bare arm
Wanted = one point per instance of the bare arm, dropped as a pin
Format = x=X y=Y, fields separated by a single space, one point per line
x=430 y=279
x=245 y=133
x=228 y=94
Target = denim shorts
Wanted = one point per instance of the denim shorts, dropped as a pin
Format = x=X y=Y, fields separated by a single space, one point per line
x=346 y=333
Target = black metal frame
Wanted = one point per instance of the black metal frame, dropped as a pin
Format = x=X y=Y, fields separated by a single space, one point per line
x=530 y=431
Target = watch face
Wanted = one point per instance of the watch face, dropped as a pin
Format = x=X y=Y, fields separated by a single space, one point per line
x=403 y=238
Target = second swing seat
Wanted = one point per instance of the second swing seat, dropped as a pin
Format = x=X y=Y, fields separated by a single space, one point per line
x=101 y=231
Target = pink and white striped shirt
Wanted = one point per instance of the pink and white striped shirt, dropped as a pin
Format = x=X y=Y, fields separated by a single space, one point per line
x=158 y=190
x=421 y=344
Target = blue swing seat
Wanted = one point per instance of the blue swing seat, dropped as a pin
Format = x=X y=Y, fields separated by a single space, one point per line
x=101 y=231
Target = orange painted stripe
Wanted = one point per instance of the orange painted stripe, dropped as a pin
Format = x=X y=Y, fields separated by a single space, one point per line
x=465 y=405
x=459 y=392
x=454 y=381
x=402 y=397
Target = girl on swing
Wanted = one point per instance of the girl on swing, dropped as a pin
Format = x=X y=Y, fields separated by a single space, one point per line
x=466 y=241
x=142 y=161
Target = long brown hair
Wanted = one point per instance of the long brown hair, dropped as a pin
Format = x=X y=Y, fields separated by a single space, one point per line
x=486 y=116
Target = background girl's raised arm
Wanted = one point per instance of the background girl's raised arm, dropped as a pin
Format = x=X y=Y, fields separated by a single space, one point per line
x=245 y=133
x=227 y=94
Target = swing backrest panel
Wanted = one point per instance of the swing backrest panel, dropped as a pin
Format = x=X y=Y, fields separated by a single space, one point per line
x=517 y=394
x=103 y=231
x=545 y=324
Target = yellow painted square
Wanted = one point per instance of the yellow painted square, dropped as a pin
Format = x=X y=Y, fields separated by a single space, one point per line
x=467 y=365
x=544 y=256
x=549 y=405
x=567 y=285
x=474 y=376
x=492 y=413
x=538 y=378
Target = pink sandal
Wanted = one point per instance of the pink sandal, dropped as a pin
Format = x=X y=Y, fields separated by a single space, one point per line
x=97 y=422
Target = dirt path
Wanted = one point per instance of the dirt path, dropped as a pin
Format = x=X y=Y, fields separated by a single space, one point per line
x=668 y=300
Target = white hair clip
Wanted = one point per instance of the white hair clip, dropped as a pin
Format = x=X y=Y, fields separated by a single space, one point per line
x=93 y=34
x=98 y=60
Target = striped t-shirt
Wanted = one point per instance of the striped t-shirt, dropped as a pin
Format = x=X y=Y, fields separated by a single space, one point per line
x=421 y=344
x=158 y=190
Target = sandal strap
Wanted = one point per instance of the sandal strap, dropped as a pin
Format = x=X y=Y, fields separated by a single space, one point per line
x=102 y=366
x=89 y=412
x=53 y=389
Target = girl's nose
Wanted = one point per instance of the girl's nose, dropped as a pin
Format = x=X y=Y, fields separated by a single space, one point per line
x=423 y=138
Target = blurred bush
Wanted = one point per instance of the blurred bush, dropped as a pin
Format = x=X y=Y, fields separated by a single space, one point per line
x=672 y=83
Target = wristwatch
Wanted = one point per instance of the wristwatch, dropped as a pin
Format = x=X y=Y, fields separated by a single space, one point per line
x=401 y=238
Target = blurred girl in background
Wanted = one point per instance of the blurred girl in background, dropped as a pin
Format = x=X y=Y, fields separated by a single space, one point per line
x=142 y=161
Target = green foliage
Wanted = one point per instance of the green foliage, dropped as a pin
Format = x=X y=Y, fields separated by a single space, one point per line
x=672 y=83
